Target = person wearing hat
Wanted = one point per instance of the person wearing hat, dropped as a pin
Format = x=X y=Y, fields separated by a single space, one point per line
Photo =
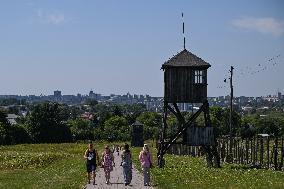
x=145 y=158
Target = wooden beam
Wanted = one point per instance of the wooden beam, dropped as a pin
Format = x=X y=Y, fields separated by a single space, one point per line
x=182 y=130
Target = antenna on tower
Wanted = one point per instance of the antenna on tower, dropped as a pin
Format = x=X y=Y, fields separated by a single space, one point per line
x=183 y=31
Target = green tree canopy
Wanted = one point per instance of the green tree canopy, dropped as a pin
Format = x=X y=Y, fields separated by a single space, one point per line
x=47 y=123
x=81 y=129
x=152 y=124
x=117 y=128
x=4 y=128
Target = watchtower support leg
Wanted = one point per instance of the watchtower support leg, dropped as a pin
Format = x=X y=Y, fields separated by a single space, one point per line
x=211 y=150
x=160 y=155
x=164 y=146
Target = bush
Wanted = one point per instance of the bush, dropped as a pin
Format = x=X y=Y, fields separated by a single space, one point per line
x=3 y=134
x=81 y=129
x=18 y=134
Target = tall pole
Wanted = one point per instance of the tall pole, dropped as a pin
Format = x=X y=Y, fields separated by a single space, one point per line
x=183 y=31
x=231 y=107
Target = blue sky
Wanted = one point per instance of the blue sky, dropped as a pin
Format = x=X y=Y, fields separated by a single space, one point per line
x=119 y=46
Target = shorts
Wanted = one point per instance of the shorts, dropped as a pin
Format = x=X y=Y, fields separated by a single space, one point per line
x=91 y=167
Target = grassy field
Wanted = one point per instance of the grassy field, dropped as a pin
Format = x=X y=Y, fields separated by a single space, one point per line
x=62 y=166
x=183 y=172
x=43 y=166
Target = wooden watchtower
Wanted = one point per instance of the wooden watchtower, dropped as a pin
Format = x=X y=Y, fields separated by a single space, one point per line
x=137 y=134
x=185 y=78
x=185 y=81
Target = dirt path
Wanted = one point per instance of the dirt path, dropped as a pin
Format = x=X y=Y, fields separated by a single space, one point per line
x=116 y=178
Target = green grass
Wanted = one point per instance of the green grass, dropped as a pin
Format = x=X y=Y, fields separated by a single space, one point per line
x=62 y=166
x=43 y=165
x=184 y=172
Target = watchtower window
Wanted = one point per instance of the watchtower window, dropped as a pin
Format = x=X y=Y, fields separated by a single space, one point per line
x=199 y=76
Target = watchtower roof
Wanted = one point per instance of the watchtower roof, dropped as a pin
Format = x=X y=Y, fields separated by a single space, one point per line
x=138 y=123
x=185 y=59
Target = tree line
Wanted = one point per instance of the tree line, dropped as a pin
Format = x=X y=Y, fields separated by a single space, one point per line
x=50 y=122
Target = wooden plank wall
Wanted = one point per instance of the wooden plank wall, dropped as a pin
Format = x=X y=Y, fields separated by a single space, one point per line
x=197 y=136
x=180 y=87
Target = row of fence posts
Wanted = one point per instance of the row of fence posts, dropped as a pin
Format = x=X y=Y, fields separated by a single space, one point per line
x=259 y=151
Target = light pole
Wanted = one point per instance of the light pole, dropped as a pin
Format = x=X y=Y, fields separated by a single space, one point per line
x=231 y=108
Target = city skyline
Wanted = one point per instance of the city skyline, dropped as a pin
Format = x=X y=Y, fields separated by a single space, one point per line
x=91 y=92
x=119 y=47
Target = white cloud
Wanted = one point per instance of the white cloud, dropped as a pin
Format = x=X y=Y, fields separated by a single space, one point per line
x=55 y=18
x=265 y=25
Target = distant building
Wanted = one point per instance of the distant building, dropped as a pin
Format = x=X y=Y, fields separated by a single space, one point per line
x=92 y=94
x=12 y=118
x=271 y=98
x=57 y=95
x=279 y=95
x=247 y=108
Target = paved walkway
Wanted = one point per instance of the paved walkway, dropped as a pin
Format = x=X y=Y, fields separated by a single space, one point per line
x=116 y=178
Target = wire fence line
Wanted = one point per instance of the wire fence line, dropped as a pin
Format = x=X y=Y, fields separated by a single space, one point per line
x=259 y=152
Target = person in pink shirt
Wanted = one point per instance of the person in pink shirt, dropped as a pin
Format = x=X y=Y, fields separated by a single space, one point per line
x=108 y=163
x=145 y=158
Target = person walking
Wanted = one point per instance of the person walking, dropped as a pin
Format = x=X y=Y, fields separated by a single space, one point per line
x=117 y=150
x=126 y=163
x=91 y=156
x=145 y=158
x=113 y=148
x=107 y=162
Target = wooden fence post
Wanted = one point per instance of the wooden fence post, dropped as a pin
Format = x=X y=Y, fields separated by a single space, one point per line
x=187 y=150
x=247 y=151
x=275 y=153
x=224 y=150
x=251 y=151
x=227 y=147
x=238 y=151
x=267 y=148
x=282 y=154
x=242 y=155
x=256 y=151
x=234 y=151
x=261 y=151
